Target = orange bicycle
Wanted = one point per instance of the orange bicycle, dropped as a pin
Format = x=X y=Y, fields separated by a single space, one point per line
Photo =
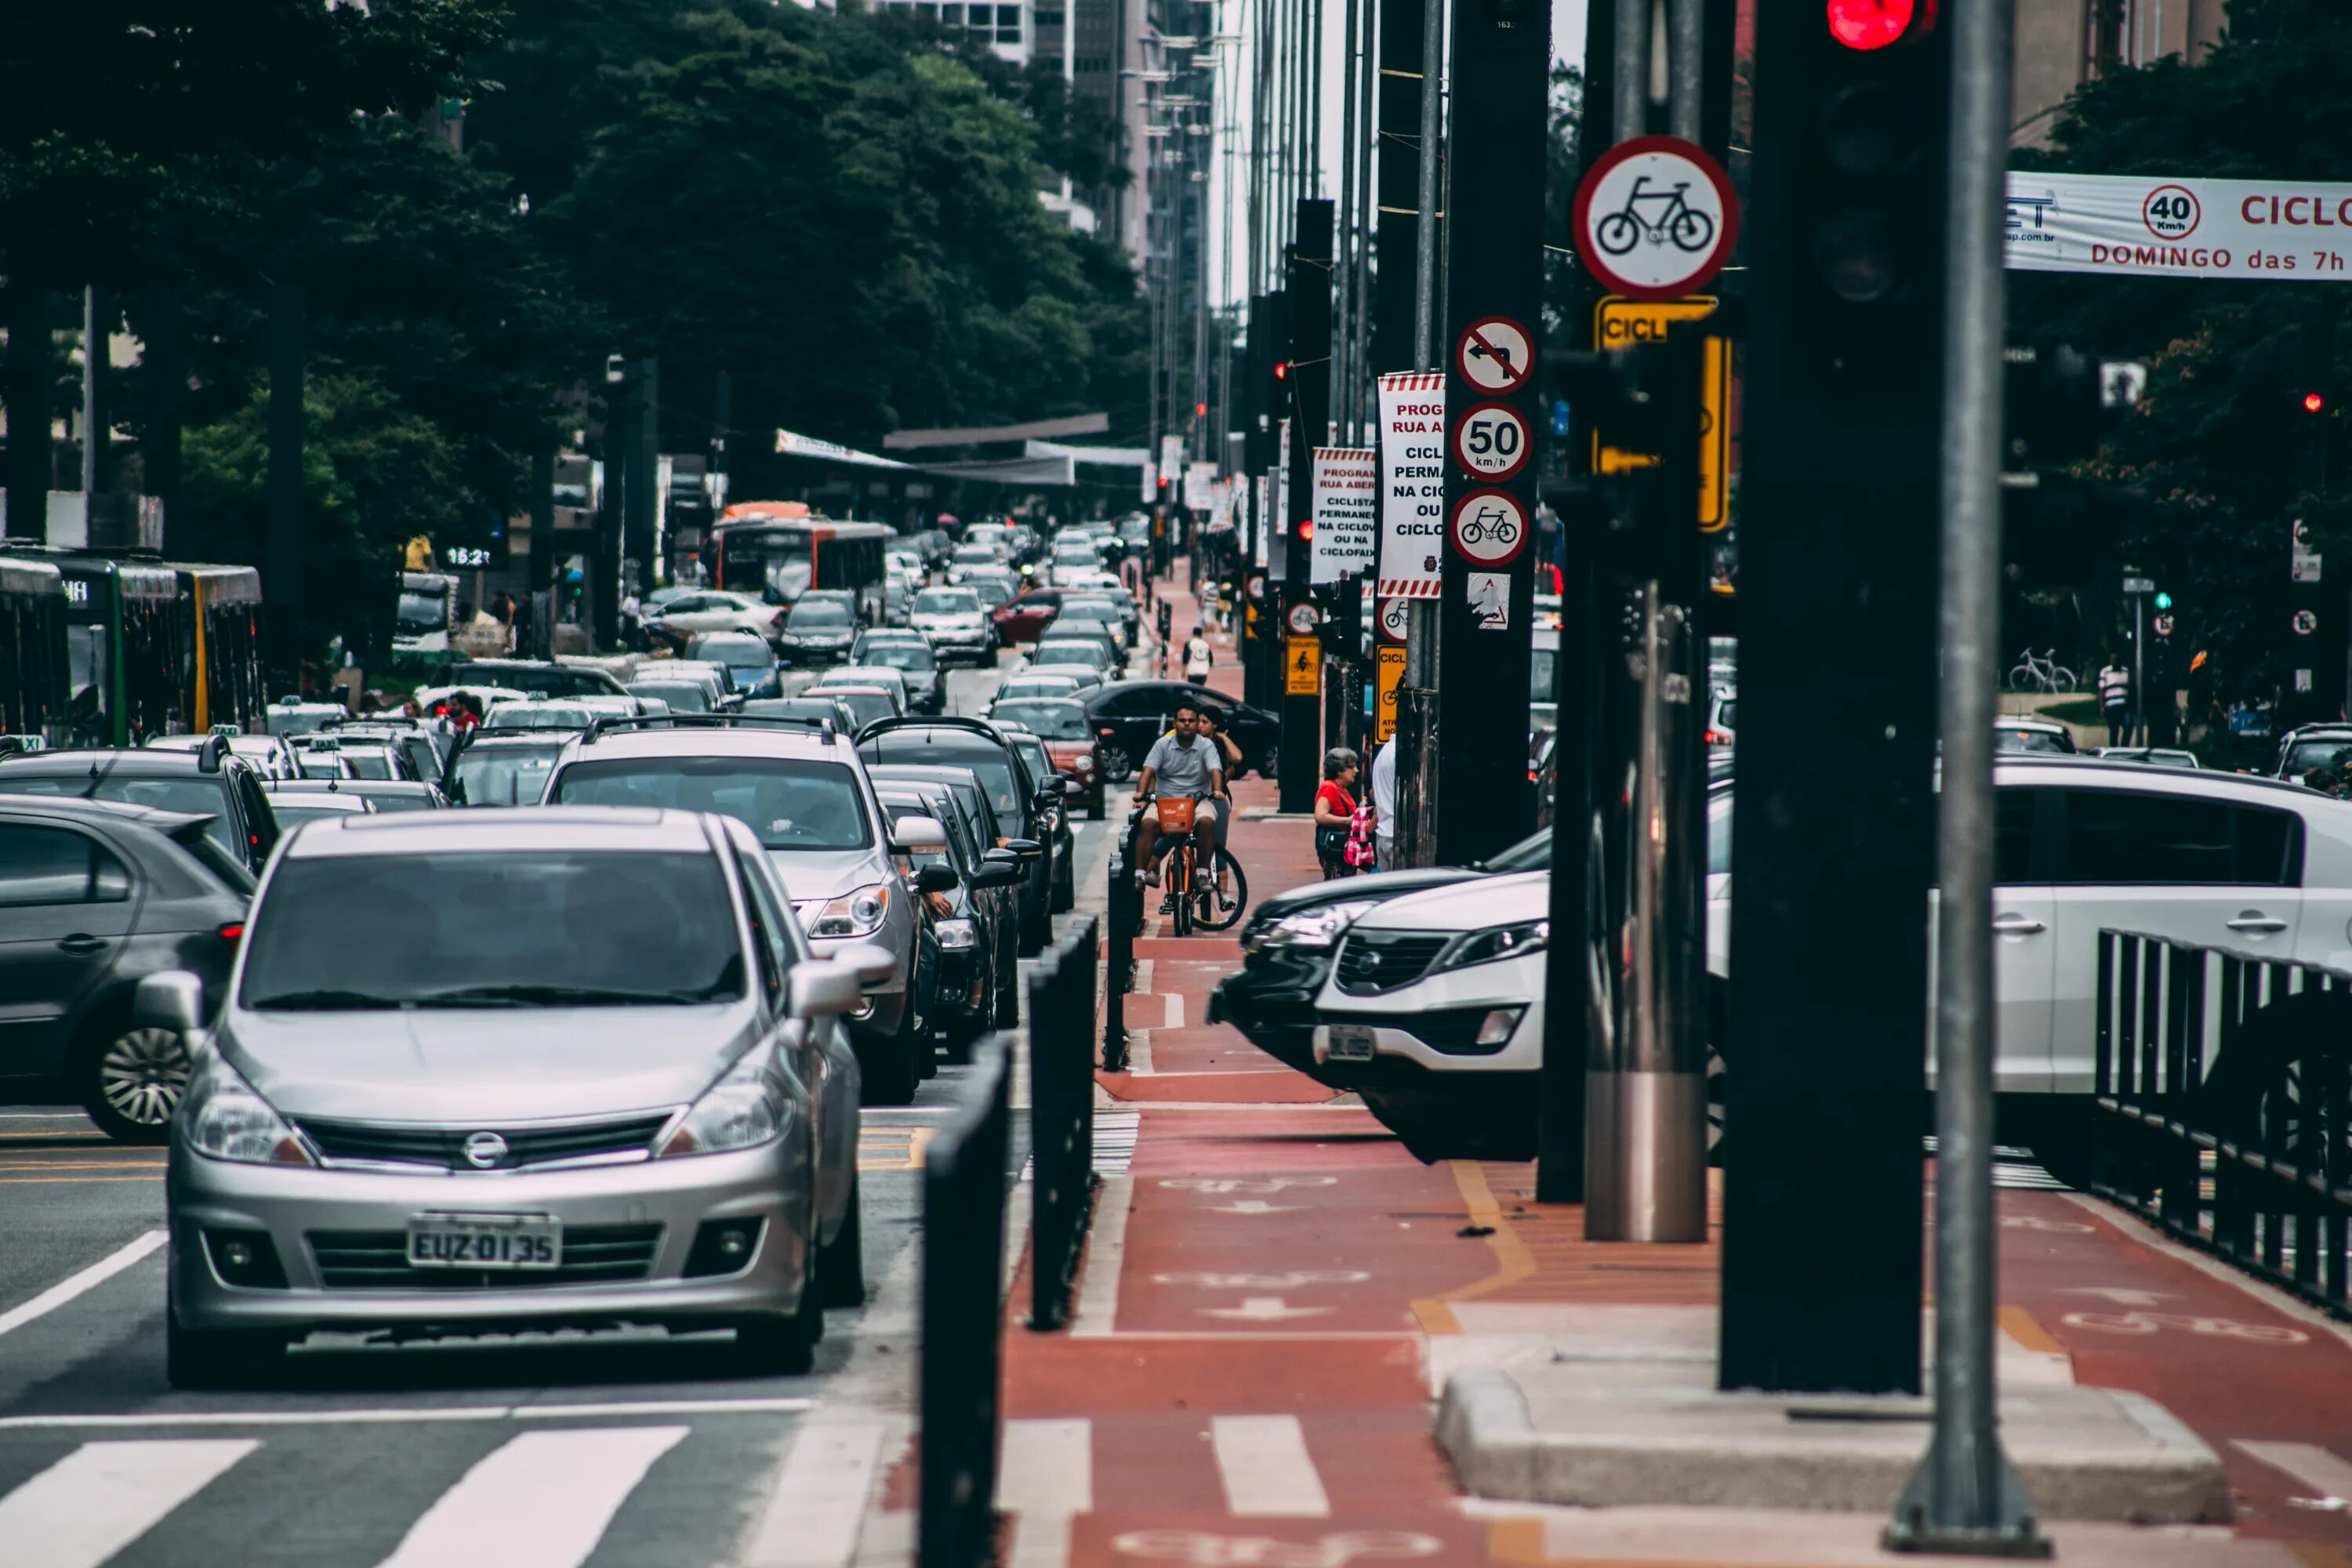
x=1207 y=892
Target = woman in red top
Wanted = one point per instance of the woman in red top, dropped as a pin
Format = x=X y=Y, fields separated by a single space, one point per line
x=1335 y=807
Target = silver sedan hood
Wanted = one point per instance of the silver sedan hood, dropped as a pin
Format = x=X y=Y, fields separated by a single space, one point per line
x=828 y=873
x=493 y=1065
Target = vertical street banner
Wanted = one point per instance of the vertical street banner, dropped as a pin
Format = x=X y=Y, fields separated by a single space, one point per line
x=1172 y=464
x=1200 y=479
x=1280 y=521
x=1346 y=495
x=1151 y=482
x=1412 y=484
x=1266 y=516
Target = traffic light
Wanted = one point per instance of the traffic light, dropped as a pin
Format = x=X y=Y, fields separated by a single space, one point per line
x=2313 y=402
x=2163 y=601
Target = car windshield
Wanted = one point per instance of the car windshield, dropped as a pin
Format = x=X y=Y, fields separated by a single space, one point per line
x=993 y=594
x=195 y=796
x=899 y=656
x=823 y=616
x=555 y=680
x=520 y=716
x=1540 y=670
x=2037 y=741
x=1068 y=653
x=866 y=705
x=791 y=803
x=1532 y=853
x=504 y=775
x=1725 y=714
x=974 y=556
x=421 y=613
x=2330 y=752
x=371 y=764
x=994 y=768
x=681 y=696
x=947 y=602
x=1053 y=721
x=292 y=813
x=548 y=929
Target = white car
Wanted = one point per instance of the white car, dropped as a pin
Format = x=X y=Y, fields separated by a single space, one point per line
x=712 y=610
x=956 y=624
x=969 y=558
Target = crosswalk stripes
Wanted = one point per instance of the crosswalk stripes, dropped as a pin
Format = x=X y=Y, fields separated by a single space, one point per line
x=2328 y=1477
x=817 y=1506
x=102 y=1497
x=541 y=1500
x=1047 y=1477
x=1115 y=1135
x=1266 y=1470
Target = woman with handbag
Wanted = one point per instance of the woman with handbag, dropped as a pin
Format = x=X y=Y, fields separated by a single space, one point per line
x=1335 y=811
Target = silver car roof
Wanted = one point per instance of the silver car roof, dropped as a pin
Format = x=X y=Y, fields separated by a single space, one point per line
x=488 y=828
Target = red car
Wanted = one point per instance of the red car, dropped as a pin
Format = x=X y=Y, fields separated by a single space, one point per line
x=1069 y=739
x=1021 y=619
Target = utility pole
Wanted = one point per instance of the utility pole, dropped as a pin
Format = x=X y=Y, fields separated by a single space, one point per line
x=1834 y=820
x=281 y=584
x=1396 y=239
x=162 y=334
x=31 y=422
x=1494 y=288
x=94 y=441
x=1310 y=381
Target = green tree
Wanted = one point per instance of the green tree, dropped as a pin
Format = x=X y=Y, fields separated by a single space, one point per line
x=2203 y=482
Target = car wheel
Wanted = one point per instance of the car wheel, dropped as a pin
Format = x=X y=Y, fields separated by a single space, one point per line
x=1116 y=765
x=841 y=1265
x=892 y=1068
x=785 y=1347
x=218 y=1359
x=131 y=1080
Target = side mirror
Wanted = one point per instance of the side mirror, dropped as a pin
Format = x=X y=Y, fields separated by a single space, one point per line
x=820 y=988
x=1027 y=849
x=1067 y=784
x=936 y=878
x=918 y=836
x=998 y=873
x=871 y=964
x=173 y=1000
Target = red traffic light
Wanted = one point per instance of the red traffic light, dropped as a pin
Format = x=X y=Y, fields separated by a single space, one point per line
x=1281 y=370
x=1199 y=411
x=1875 y=23
x=1306 y=528
x=2313 y=402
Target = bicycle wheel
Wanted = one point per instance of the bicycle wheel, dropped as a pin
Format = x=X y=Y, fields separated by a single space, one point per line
x=1691 y=231
x=1224 y=895
x=2022 y=679
x=1180 y=888
x=1616 y=233
x=2061 y=679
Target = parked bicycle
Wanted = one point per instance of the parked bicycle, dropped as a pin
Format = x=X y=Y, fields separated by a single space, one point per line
x=2040 y=674
x=1680 y=225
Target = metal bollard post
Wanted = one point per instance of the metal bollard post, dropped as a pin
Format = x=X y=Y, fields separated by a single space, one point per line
x=1118 y=961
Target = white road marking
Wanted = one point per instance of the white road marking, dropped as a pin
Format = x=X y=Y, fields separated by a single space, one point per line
x=2315 y=1467
x=1048 y=1467
x=817 y=1508
x=541 y=1500
x=1098 y=1305
x=73 y=1285
x=102 y=1497
x=1264 y=1463
x=1175 y=1019
x=419 y=1415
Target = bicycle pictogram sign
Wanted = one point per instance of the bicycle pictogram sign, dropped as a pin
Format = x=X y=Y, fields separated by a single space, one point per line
x=1655 y=218
x=1489 y=527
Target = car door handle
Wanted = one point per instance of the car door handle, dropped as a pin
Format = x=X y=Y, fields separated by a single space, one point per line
x=82 y=943
x=2255 y=921
x=2017 y=925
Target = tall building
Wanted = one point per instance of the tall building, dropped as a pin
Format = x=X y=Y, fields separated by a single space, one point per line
x=2062 y=44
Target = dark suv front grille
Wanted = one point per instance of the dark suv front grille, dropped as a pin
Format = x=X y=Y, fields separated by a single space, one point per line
x=445 y=1147
x=1373 y=961
x=378 y=1260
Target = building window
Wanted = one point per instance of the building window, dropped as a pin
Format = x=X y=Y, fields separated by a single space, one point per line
x=2105 y=23
x=1049 y=18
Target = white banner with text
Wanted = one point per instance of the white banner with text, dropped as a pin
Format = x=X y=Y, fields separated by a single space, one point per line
x=2152 y=226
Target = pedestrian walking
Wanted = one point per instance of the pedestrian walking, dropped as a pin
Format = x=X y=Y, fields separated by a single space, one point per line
x=1197 y=658
x=1384 y=794
x=1335 y=811
x=2114 y=700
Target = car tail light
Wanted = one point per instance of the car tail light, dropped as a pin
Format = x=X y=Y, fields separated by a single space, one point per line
x=232 y=932
x=1717 y=738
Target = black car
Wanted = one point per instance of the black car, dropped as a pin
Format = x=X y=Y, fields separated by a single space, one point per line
x=819 y=630
x=502 y=768
x=211 y=781
x=1019 y=798
x=534 y=675
x=968 y=797
x=1130 y=715
x=1288 y=941
x=910 y=653
x=974 y=933
x=95 y=895
x=1064 y=842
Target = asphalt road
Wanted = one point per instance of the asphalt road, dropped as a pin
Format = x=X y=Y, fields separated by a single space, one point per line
x=543 y=1451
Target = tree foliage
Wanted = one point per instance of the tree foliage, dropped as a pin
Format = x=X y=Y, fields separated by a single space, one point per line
x=2221 y=460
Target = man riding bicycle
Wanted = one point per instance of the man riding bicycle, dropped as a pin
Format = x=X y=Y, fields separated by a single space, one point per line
x=1179 y=766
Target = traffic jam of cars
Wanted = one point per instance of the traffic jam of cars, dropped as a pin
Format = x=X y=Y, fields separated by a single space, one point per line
x=559 y=997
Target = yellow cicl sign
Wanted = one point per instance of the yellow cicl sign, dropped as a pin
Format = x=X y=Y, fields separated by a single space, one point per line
x=1302 y=660
x=1620 y=324
x=1392 y=676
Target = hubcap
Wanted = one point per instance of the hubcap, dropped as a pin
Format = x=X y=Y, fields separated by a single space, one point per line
x=143 y=1075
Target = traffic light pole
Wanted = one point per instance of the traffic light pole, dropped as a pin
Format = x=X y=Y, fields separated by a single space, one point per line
x=1309 y=403
x=1965 y=1497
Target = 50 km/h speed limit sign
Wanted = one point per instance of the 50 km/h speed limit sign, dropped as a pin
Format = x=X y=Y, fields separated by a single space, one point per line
x=1489 y=528
x=1491 y=441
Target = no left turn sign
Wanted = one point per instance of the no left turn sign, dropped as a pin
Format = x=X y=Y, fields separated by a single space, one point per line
x=1655 y=218
x=1491 y=441
x=2305 y=623
x=1495 y=355
x=1489 y=527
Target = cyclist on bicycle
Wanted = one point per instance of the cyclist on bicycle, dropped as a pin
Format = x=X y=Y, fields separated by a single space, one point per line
x=1179 y=766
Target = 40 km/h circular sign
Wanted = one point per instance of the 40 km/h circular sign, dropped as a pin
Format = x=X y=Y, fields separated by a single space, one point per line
x=1495 y=355
x=1491 y=441
x=1489 y=527
x=1655 y=218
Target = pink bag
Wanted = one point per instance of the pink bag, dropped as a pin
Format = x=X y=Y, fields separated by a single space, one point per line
x=1360 y=853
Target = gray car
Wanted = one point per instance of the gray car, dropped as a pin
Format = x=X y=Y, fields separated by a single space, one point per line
x=804 y=794
x=499 y=1070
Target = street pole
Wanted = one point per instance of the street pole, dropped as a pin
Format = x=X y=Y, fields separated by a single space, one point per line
x=1965 y=1497
x=1310 y=402
x=282 y=585
x=93 y=438
x=1630 y=98
x=1686 y=52
x=162 y=334
x=1431 y=156
x=2138 y=736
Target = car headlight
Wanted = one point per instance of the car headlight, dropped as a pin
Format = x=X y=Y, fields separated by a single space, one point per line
x=856 y=913
x=1083 y=766
x=223 y=1119
x=1311 y=929
x=1497 y=942
x=743 y=1109
x=958 y=933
